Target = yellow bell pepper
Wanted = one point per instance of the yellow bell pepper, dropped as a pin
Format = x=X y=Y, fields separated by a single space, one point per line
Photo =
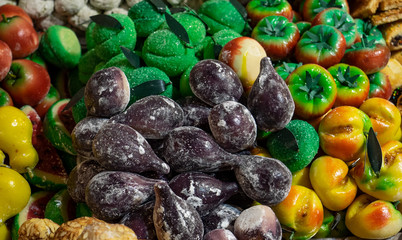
x=16 y=139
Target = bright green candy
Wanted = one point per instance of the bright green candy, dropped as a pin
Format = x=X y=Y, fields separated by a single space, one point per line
x=87 y=65
x=60 y=46
x=82 y=210
x=185 y=89
x=57 y=209
x=365 y=28
x=221 y=14
x=221 y=38
x=303 y=26
x=109 y=40
x=5 y=99
x=164 y=50
x=193 y=25
x=74 y=84
x=79 y=110
x=284 y=69
x=146 y=18
x=307 y=141
x=55 y=130
x=88 y=36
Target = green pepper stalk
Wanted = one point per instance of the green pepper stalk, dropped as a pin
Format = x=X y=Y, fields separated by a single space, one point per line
x=313 y=7
x=277 y=36
x=352 y=85
x=285 y=69
x=369 y=31
x=313 y=90
x=259 y=9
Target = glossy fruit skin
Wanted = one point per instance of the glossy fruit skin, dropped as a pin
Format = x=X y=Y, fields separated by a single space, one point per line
x=348 y=92
x=258 y=9
x=332 y=51
x=19 y=35
x=330 y=180
x=311 y=8
x=10 y=10
x=5 y=60
x=302 y=211
x=387 y=185
x=370 y=218
x=280 y=44
x=369 y=59
x=307 y=107
x=5 y=98
x=27 y=82
x=327 y=17
x=365 y=28
x=16 y=139
x=15 y=192
x=342 y=132
x=380 y=86
x=385 y=118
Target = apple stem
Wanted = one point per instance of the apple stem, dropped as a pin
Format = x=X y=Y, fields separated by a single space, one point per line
x=10 y=77
x=5 y=19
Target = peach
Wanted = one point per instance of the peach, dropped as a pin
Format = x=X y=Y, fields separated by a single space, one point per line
x=370 y=218
x=330 y=180
x=243 y=55
x=301 y=211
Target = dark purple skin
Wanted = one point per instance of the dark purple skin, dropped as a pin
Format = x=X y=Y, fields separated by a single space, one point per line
x=192 y=149
x=270 y=100
x=222 y=217
x=110 y=194
x=153 y=116
x=202 y=191
x=84 y=133
x=141 y=221
x=119 y=147
x=258 y=222
x=80 y=176
x=220 y=234
x=214 y=82
x=107 y=92
x=174 y=216
x=195 y=112
x=232 y=126
x=265 y=180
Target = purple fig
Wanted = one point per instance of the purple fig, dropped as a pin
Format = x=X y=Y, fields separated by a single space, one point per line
x=220 y=234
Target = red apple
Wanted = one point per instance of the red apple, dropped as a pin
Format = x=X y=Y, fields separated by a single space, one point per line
x=5 y=59
x=10 y=10
x=51 y=97
x=19 y=35
x=27 y=82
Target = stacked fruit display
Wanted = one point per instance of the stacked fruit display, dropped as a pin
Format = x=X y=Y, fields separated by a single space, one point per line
x=232 y=122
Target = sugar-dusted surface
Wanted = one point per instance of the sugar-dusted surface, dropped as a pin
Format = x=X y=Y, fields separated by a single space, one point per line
x=221 y=217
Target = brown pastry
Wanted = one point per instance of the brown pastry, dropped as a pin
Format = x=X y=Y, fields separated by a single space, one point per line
x=101 y=231
x=390 y=4
x=397 y=55
x=37 y=229
x=394 y=72
x=363 y=8
x=72 y=229
x=387 y=16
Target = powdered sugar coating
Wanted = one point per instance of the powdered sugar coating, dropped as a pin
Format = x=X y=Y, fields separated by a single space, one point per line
x=173 y=217
x=232 y=126
x=201 y=190
x=120 y=147
x=258 y=222
x=195 y=112
x=111 y=194
x=221 y=217
x=270 y=100
x=84 y=133
x=107 y=92
x=265 y=180
x=220 y=234
x=214 y=82
x=153 y=116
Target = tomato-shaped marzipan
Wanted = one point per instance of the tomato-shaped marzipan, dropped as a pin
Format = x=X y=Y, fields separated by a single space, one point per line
x=259 y=9
x=277 y=36
x=322 y=44
x=367 y=55
x=313 y=7
x=339 y=19
x=380 y=86
x=285 y=68
x=303 y=26
x=365 y=28
x=313 y=90
x=352 y=85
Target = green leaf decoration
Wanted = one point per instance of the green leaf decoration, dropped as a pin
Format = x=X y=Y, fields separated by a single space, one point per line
x=324 y=5
x=374 y=152
x=153 y=87
x=353 y=164
x=288 y=139
x=273 y=30
x=191 y=11
x=132 y=58
x=177 y=28
x=346 y=79
x=107 y=21
x=396 y=203
x=270 y=3
x=174 y=10
x=159 y=5
x=336 y=221
x=342 y=24
x=365 y=43
x=76 y=98
x=240 y=8
x=312 y=87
